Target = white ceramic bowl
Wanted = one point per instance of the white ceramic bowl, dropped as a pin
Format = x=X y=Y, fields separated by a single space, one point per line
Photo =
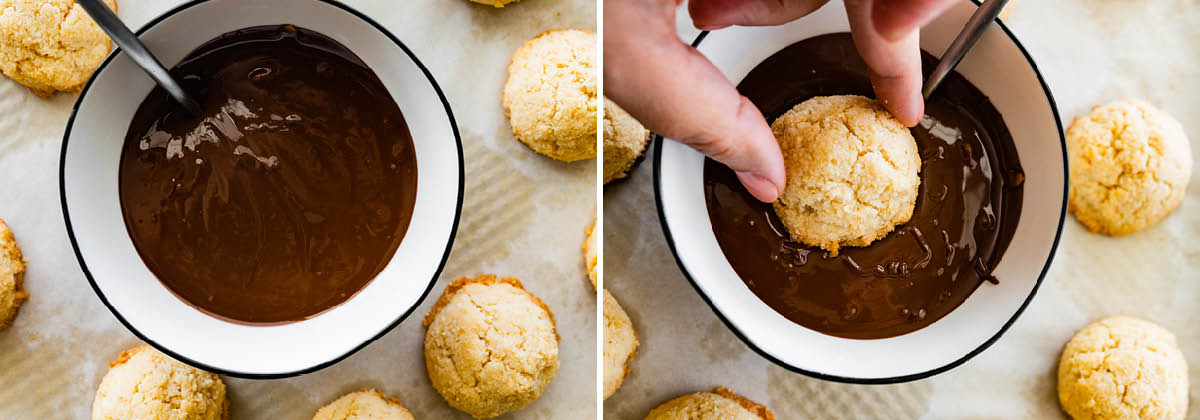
x=1003 y=71
x=88 y=181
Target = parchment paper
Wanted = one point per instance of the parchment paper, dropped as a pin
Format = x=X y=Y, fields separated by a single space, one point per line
x=1090 y=52
x=524 y=215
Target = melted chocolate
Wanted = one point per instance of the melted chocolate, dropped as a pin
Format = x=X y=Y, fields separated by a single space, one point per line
x=966 y=212
x=288 y=195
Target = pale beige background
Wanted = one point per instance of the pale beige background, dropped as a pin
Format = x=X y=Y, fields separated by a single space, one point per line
x=523 y=215
x=1090 y=51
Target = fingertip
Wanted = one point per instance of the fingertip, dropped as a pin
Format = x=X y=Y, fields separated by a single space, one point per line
x=909 y=114
x=765 y=160
x=915 y=110
x=901 y=96
x=759 y=186
x=775 y=172
x=916 y=117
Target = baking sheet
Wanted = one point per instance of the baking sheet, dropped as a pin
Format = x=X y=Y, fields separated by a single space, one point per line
x=1090 y=52
x=523 y=215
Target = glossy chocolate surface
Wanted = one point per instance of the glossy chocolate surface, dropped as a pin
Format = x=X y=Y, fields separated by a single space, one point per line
x=288 y=195
x=966 y=212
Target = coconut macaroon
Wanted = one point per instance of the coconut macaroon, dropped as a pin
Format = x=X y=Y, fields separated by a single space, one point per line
x=1123 y=368
x=146 y=384
x=625 y=141
x=50 y=45
x=495 y=3
x=721 y=404
x=366 y=404
x=550 y=95
x=12 y=277
x=1130 y=166
x=852 y=171
x=591 y=253
x=490 y=346
x=620 y=344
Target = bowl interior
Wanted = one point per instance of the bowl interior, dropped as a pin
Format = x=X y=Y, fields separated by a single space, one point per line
x=999 y=68
x=91 y=152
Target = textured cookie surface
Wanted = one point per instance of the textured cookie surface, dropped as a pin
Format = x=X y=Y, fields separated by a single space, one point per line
x=366 y=404
x=1130 y=165
x=852 y=171
x=625 y=140
x=144 y=384
x=550 y=95
x=721 y=404
x=491 y=347
x=12 y=276
x=620 y=343
x=495 y=3
x=590 y=250
x=1123 y=368
x=50 y=45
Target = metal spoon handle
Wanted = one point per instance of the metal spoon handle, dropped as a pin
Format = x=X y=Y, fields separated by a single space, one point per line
x=975 y=28
x=133 y=47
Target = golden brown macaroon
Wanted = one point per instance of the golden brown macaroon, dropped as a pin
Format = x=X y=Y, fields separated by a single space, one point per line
x=625 y=141
x=12 y=277
x=852 y=171
x=365 y=404
x=721 y=404
x=1123 y=368
x=590 y=253
x=620 y=344
x=550 y=95
x=145 y=384
x=490 y=346
x=1130 y=166
x=495 y=3
x=50 y=45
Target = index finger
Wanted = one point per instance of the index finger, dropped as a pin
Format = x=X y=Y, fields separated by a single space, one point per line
x=895 y=64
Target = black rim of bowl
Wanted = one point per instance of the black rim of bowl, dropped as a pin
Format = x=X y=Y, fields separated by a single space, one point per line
x=658 y=142
x=432 y=281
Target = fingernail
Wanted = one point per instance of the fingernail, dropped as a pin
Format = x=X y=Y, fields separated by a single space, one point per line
x=711 y=27
x=909 y=110
x=760 y=186
x=917 y=108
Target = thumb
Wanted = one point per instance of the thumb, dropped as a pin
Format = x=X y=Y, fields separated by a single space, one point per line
x=676 y=92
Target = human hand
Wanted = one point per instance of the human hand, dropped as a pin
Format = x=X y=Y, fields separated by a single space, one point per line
x=675 y=91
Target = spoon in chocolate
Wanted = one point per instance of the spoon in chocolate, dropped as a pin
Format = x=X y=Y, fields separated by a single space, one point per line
x=128 y=42
x=976 y=26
